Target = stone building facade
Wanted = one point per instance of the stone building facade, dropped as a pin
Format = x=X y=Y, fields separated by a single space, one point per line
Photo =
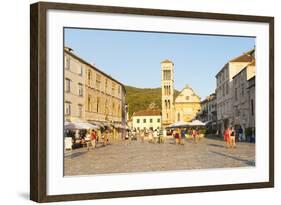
x=105 y=97
x=212 y=110
x=224 y=88
x=203 y=113
x=208 y=112
x=74 y=87
x=97 y=96
x=244 y=97
x=251 y=90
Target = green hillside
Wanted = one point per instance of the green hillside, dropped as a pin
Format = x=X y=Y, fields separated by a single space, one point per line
x=143 y=98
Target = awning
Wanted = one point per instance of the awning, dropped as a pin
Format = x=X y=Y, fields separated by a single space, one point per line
x=79 y=126
x=96 y=123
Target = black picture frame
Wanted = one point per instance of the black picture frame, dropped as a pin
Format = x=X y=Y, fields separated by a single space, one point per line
x=38 y=100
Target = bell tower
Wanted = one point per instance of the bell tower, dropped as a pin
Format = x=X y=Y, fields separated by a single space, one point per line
x=167 y=81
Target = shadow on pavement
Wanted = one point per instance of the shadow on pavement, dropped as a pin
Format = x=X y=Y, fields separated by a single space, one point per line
x=216 y=145
x=81 y=151
x=214 y=137
x=75 y=154
x=247 y=162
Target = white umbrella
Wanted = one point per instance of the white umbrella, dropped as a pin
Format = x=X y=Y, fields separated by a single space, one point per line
x=197 y=123
x=179 y=124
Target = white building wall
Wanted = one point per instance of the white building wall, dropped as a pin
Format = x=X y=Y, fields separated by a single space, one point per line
x=225 y=89
x=143 y=122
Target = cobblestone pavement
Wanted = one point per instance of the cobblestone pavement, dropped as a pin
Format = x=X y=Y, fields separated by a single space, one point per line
x=140 y=157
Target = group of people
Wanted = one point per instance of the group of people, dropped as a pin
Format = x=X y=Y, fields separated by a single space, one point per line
x=154 y=136
x=93 y=137
x=159 y=135
x=229 y=137
x=180 y=135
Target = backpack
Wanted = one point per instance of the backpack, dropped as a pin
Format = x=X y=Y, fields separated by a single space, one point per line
x=232 y=133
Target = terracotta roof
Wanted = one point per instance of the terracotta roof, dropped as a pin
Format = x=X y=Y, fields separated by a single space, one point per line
x=147 y=113
x=167 y=61
x=245 y=57
x=253 y=63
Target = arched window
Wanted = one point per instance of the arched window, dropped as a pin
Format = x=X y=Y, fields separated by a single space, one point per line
x=179 y=116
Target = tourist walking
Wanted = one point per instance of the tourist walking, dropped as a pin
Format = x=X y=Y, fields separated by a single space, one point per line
x=155 y=136
x=232 y=138
x=98 y=136
x=160 y=134
x=177 y=137
x=164 y=136
x=240 y=134
x=138 y=134
x=227 y=137
x=182 y=136
x=198 y=134
x=133 y=135
x=142 y=136
x=93 y=139
x=105 y=138
x=127 y=138
x=88 y=140
x=150 y=135
x=194 y=135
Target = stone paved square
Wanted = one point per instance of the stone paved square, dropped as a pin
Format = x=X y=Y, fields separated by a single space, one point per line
x=118 y=157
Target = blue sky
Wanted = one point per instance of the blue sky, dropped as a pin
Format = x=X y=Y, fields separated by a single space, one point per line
x=134 y=58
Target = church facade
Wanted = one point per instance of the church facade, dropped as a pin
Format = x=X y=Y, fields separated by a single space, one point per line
x=183 y=107
x=187 y=105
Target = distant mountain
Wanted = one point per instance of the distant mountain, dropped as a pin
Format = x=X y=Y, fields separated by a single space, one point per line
x=143 y=98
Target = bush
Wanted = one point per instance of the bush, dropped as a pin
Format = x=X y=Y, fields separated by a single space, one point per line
x=203 y=131
x=248 y=132
x=210 y=131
